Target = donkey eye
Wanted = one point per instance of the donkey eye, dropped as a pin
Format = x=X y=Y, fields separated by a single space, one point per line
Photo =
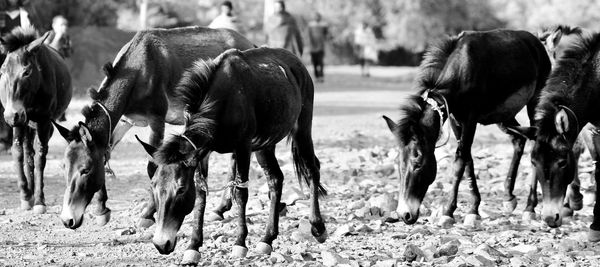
x=561 y=163
x=84 y=171
x=27 y=72
x=180 y=190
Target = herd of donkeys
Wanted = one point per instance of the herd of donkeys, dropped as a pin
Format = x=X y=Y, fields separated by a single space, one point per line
x=234 y=97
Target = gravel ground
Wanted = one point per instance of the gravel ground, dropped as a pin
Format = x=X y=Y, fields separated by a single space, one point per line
x=357 y=154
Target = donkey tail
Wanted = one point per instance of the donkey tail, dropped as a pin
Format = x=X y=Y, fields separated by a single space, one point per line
x=307 y=168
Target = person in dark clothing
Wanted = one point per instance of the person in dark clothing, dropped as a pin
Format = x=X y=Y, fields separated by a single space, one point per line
x=282 y=30
x=59 y=37
x=318 y=34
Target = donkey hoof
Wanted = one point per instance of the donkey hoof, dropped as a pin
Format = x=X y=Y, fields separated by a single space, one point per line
x=510 y=206
x=213 y=217
x=26 y=204
x=39 y=209
x=145 y=223
x=239 y=251
x=528 y=216
x=593 y=235
x=102 y=219
x=322 y=237
x=263 y=248
x=472 y=220
x=446 y=221
x=566 y=212
x=282 y=209
x=576 y=204
x=190 y=257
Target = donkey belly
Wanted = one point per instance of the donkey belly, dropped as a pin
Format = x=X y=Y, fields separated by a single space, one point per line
x=510 y=107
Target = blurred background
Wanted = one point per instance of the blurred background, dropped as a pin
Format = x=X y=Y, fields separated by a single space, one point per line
x=402 y=28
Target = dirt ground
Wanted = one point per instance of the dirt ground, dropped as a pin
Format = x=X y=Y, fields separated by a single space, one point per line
x=357 y=153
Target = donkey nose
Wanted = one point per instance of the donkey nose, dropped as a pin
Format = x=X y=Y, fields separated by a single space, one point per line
x=14 y=118
x=553 y=221
x=69 y=223
x=165 y=248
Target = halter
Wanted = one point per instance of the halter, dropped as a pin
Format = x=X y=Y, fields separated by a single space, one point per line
x=189 y=141
x=436 y=107
x=109 y=169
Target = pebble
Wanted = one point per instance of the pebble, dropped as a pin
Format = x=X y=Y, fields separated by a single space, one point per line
x=489 y=252
x=448 y=249
x=343 y=230
x=478 y=260
x=386 y=263
x=280 y=258
x=413 y=253
x=331 y=258
x=524 y=249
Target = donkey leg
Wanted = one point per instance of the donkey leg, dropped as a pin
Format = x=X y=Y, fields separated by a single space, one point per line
x=191 y=256
x=594 y=234
x=309 y=166
x=225 y=204
x=532 y=199
x=102 y=213
x=574 y=198
x=44 y=132
x=518 y=141
x=157 y=127
x=241 y=198
x=19 y=133
x=267 y=160
x=463 y=159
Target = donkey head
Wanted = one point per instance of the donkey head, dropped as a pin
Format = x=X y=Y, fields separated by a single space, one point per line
x=20 y=78
x=83 y=167
x=416 y=133
x=173 y=186
x=554 y=161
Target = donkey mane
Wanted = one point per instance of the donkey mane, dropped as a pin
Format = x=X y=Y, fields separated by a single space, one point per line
x=410 y=115
x=195 y=81
x=566 y=29
x=433 y=63
x=18 y=37
x=200 y=127
x=564 y=79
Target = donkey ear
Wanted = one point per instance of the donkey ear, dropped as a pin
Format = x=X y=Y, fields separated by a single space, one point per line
x=187 y=116
x=35 y=45
x=64 y=132
x=390 y=123
x=554 y=37
x=84 y=133
x=148 y=147
x=561 y=121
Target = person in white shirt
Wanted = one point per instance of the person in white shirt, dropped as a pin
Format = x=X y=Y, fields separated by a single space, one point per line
x=226 y=19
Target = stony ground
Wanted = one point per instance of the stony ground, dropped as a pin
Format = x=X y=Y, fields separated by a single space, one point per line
x=357 y=155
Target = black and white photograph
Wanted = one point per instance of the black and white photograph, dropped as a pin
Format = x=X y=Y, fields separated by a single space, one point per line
x=354 y=133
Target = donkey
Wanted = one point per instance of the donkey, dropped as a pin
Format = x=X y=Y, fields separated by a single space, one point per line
x=137 y=91
x=239 y=102
x=475 y=77
x=35 y=88
x=568 y=102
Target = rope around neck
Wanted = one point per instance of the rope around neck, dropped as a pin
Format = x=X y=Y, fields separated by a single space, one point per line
x=189 y=141
x=436 y=106
x=108 y=169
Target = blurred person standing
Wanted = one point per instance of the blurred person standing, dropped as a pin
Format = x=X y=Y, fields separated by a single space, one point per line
x=226 y=19
x=318 y=34
x=59 y=37
x=282 y=30
x=13 y=15
x=366 y=47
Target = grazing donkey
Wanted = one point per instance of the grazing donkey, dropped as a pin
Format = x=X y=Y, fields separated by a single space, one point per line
x=137 y=91
x=475 y=77
x=239 y=102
